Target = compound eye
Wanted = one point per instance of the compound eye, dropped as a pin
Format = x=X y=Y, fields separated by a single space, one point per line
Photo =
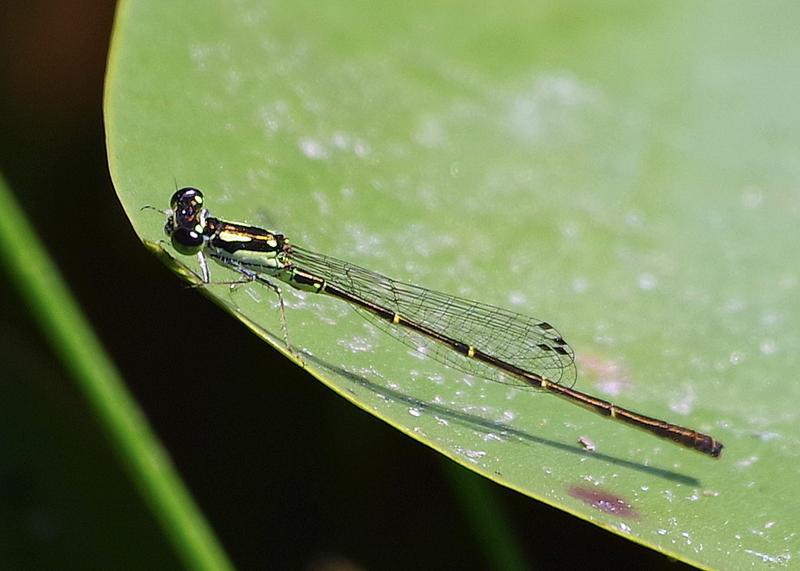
x=187 y=197
x=187 y=242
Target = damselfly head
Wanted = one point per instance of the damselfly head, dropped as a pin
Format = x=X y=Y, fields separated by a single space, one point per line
x=186 y=221
x=186 y=203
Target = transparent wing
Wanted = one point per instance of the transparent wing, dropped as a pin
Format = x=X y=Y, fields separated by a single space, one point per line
x=516 y=339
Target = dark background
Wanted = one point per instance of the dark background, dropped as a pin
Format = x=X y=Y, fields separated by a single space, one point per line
x=289 y=475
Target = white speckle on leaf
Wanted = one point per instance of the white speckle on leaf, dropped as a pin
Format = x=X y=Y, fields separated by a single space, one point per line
x=736 y=357
x=323 y=203
x=647 y=281
x=313 y=149
x=767 y=346
x=766 y=436
x=734 y=305
x=781 y=559
x=580 y=284
x=506 y=416
x=275 y=116
x=517 y=298
x=430 y=133
x=752 y=197
x=570 y=230
x=634 y=219
x=747 y=462
x=684 y=404
x=357 y=344
x=472 y=455
x=554 y=101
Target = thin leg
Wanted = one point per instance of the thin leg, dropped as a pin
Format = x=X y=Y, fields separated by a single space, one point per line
x=282 y=307
x=251 y=276
x=205 y=274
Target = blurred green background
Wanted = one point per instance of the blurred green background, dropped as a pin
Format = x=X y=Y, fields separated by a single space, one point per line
x=355 y=491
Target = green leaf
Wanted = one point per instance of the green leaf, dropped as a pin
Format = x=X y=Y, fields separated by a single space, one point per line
x=627 y=173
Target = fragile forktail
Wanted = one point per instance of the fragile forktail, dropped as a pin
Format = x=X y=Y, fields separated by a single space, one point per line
x=477 y=338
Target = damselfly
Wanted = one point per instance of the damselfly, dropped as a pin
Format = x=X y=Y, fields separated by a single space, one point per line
x=480 y=339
